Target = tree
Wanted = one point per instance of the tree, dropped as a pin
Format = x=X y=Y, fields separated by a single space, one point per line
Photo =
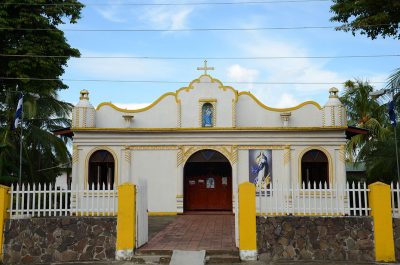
x=41 y=149
x=371 y=17
x=364 y=112
x=376 y=149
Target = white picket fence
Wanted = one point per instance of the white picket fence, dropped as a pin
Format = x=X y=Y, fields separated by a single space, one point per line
x=45 y=200
x=311 y=199
x=395 y=192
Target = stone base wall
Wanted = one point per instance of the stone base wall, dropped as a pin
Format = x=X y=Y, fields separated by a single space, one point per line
x=59 y=239
x=316 y=238
x=396 y=237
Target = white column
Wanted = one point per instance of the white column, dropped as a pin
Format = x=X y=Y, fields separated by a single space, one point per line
x=179 y=190
x=235 y=205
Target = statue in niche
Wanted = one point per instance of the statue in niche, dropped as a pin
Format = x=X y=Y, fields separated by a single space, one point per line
x=207 y=115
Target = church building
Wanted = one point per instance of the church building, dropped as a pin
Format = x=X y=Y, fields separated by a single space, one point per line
x=194 y=146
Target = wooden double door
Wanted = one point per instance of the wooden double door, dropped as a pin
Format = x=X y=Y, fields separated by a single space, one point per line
x=208 y=187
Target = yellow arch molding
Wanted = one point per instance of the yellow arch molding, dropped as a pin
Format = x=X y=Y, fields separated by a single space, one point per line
x=331 y=178
x=90 y=153
x=221 y=86
x=279 y=109
x=136 y=110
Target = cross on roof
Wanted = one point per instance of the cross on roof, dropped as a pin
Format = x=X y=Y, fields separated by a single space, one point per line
x=205 y=68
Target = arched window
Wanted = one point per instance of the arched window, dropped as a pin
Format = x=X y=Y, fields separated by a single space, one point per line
x=207 y=115
x=314 y=169
x=101 y=170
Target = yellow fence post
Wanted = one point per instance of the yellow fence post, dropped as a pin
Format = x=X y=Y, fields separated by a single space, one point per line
x=247 y=221
x=126 y=222
x=4 y=205
x=381 y=212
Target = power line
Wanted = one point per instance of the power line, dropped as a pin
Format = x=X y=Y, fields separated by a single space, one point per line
x=202 y=58
x=171 y=4
x=173 y=82
x=169 y=30
x=185 y=30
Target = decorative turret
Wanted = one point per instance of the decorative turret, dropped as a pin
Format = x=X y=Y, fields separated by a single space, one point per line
x=83 y=114
x=334 y=113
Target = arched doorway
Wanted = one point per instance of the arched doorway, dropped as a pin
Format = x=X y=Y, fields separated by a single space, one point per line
x=314 y=169
x=207 y=182
x=101 y=170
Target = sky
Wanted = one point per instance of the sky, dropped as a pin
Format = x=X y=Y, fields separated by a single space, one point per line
x=208 y=44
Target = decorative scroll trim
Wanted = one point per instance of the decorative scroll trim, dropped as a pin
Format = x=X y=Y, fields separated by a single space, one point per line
x=75 y=154
x=153 y=147
x=128 y=154
x=250 y=147
x=342 y=152
x=286 y=155
x=230 y=152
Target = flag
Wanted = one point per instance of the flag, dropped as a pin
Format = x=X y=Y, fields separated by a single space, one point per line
x=18 y=113
x=392 y=114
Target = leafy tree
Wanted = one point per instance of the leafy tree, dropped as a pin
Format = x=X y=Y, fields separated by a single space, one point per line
x=41 y=149
x=381 y=161
x=364 y=112
x=376 y=149
x=371 y=17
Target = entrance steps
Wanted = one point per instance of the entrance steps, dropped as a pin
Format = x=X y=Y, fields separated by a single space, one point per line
x=164 y=256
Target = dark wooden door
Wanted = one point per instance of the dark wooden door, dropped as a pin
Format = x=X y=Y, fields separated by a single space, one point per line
x=208 y=192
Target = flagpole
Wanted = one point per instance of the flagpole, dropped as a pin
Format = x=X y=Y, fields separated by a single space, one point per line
x=20 y=141
x=395 y=140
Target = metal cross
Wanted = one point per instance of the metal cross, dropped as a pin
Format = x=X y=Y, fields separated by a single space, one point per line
x=205 y=68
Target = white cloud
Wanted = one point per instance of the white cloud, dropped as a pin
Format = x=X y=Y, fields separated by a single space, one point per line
x=286 y=100
x=238 y=73
x=112 y=12
x=131 y=106
x=121 y=68
x=167 y=17
x=300 y=70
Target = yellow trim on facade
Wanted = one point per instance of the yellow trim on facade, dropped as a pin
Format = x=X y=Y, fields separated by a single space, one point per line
x=90 y=153
x=252 y=147
x=162 y=213
x=330 y=162
x=325 y=128
x=279 y=109
x=136 y=110
x=221 y=86
x=208 y=100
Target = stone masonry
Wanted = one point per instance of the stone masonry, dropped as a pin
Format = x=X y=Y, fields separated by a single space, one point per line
x=59 y=239
x=315 y=238
x=396 y=232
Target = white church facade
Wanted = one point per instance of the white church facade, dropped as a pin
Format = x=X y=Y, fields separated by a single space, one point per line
x=194 y=146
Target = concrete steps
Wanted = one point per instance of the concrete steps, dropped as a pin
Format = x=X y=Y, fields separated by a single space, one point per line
x=164 y=256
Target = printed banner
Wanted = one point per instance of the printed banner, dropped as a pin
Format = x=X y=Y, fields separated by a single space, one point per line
x=260 y=167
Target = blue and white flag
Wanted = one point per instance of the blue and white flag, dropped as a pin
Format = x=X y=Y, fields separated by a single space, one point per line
x=18 y=113
x=392 y=114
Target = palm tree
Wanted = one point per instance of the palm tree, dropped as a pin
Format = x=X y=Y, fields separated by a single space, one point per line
x=394 y=79
x=364 y=112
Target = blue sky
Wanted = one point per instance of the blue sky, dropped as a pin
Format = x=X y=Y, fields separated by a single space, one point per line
x=310 y=42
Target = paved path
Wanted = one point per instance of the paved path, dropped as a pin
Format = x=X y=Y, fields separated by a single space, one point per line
x=196 y=232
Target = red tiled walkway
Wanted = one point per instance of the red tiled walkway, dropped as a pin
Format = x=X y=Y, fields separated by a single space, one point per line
x=196 y=232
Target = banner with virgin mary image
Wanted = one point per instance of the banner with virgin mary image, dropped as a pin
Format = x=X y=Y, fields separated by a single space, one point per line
x=260 y=167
